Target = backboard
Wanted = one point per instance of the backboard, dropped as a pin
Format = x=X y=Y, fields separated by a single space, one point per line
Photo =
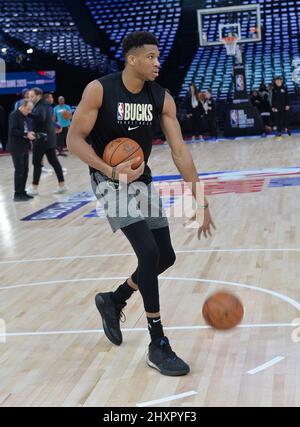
x=216 y=23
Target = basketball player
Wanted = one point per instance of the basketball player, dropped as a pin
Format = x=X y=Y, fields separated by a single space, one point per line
x=125 y=105
x=62 y=123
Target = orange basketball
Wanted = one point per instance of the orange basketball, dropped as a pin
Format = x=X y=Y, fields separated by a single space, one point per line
x=121 y=150
x=223 y=310
x=66 y=115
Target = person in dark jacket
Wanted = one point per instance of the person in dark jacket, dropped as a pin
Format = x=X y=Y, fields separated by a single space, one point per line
x=280 y=106
x=193 y=110
x=19 y=137
x=255 y=99
x=211 y=114
x=265 y=107
x=45 y=142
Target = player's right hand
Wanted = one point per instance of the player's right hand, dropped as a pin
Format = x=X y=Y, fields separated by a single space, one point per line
x=125 y=173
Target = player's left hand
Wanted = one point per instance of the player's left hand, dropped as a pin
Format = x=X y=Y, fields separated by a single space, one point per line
x=207 y=223
x=287 y=108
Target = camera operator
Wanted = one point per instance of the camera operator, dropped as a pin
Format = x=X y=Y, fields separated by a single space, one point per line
x=19 y=137
x=45 y=142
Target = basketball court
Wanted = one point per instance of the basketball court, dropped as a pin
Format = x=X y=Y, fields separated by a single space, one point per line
x=55 y=351
x=58 y=252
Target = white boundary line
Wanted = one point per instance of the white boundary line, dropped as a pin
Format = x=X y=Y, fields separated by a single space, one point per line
x=167 y=399
x=67 y=258
x=285 y=298
x=168 y=328
x=266 y=365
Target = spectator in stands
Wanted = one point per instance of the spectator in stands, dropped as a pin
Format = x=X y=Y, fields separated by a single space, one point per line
x=25 y=95
x=211 y=114
x=45 y=142
x=62 y=115
x=19 y=144
x=280 y=105
x=265 y=108
x=193 y=110
x=3 y=132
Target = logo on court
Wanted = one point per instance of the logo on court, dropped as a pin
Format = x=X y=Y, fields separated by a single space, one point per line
x=2 y=331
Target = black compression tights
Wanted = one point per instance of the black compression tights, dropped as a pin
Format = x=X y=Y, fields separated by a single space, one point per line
x=155 y=254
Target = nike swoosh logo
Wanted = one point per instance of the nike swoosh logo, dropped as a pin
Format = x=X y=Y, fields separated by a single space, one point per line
x=133 y=128
x=156 y=321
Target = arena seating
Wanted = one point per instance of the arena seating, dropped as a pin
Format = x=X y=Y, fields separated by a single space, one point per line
x=119 y=17
x=46 y=25
x=9 y=53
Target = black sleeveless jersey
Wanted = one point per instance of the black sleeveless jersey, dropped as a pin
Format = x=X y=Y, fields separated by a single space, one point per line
x=124 y=114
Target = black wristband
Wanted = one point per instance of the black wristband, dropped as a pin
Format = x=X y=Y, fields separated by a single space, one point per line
x=113 y=173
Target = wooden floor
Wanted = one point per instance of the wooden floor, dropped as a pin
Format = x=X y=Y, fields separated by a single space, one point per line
x=55 y=352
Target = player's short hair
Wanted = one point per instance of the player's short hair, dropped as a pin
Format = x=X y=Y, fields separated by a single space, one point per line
x=137 y=39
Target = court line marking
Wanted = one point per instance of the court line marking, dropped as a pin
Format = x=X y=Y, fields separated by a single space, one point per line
x=167 y=328
x=266 y=365
x=285 y=298
x=167 y=399
x=191 y=251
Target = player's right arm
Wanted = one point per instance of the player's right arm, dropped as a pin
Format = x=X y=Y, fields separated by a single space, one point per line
x=82 y=124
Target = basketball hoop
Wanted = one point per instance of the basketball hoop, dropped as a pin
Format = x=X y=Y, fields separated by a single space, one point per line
x=230 y=43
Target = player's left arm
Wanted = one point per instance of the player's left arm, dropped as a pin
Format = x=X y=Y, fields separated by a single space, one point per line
x=183 y=159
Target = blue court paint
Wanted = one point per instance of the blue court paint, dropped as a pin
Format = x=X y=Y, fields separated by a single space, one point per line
x=55 y=211
x=69 y=204
x=284 y=182
x=96 y=213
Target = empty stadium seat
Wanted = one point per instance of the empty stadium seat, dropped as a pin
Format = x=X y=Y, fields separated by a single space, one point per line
x=47 y=25
x=120 y=17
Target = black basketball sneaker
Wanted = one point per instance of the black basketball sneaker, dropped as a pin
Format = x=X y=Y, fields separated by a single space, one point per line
x=111 y=314
x=163 y=358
